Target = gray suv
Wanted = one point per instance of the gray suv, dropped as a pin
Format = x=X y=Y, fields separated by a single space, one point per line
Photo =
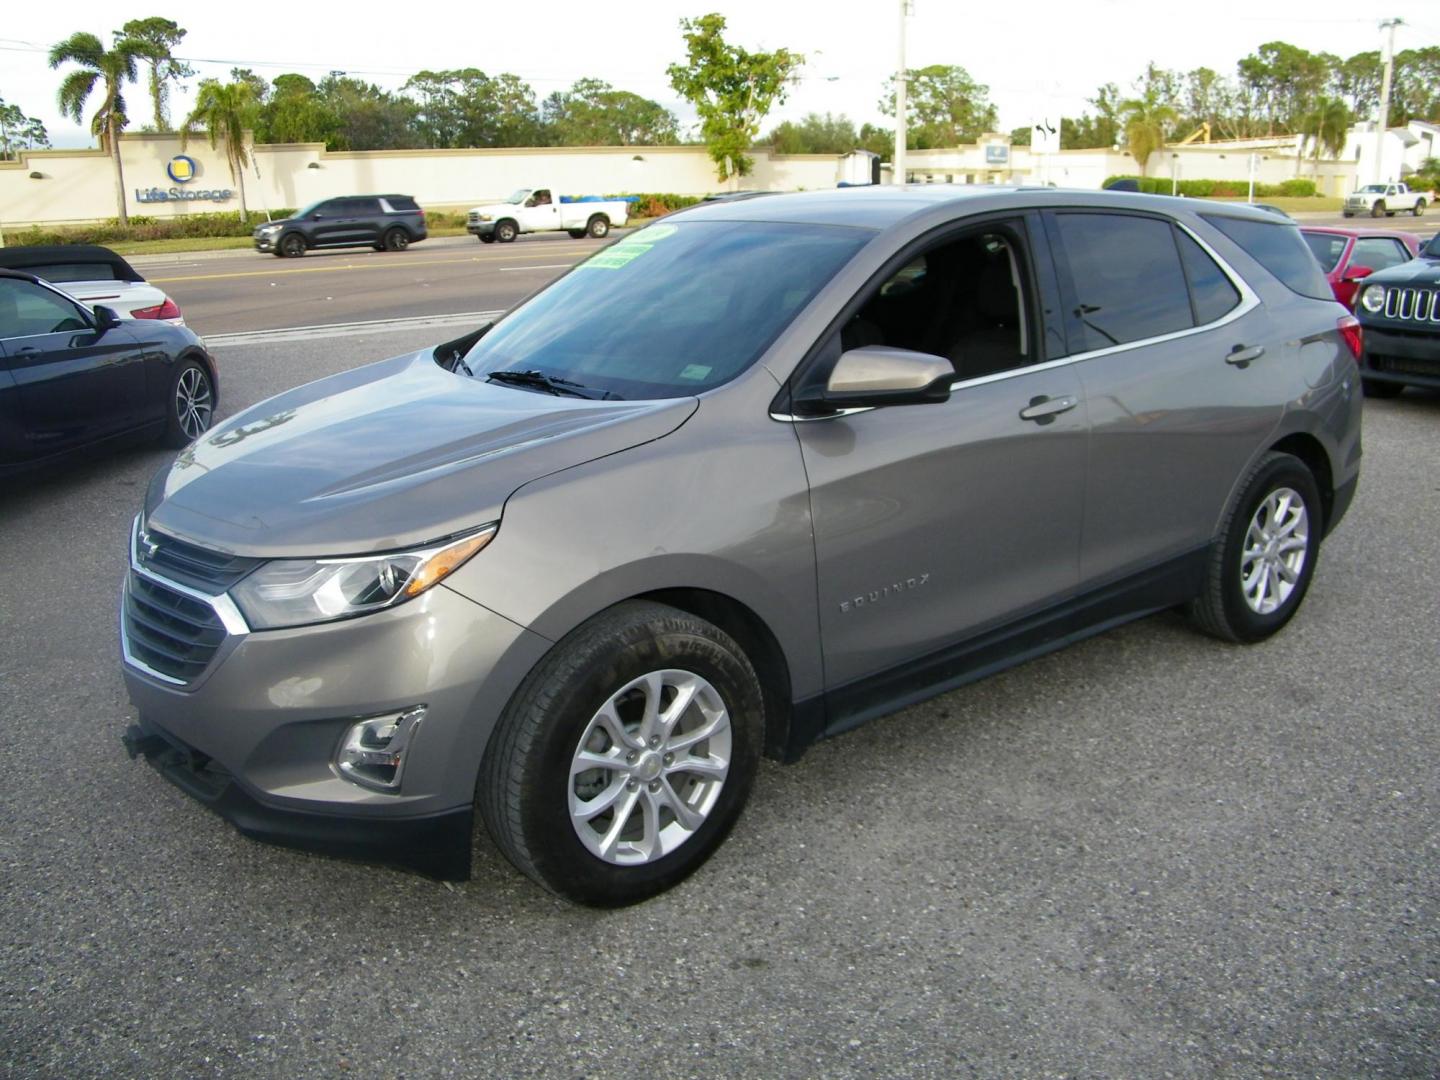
x=746 y=479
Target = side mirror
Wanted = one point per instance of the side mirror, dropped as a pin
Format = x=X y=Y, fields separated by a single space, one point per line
x=1355 y=273
x=105 y=318
x=876 y=375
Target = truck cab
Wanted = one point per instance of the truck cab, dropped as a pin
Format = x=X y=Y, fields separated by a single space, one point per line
x=544 y=209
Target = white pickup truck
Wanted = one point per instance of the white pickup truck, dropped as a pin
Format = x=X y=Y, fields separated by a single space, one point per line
x=542 y=210
x=1387 y=199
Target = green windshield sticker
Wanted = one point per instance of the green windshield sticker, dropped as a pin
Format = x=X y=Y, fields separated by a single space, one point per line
x=653 y=233
x=695 y=371
x=613 y=258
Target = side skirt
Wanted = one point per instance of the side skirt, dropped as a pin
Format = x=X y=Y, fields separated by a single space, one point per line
x=843 y=708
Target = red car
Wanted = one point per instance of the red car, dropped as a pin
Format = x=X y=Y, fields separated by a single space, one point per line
x=1348 y=255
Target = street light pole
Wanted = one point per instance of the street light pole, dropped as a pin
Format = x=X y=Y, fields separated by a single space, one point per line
x=897 y=175
x=1384 y=118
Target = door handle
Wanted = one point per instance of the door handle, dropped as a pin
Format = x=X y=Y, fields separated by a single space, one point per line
x=26 y=350
x=1044 y=409
x=1241 y=355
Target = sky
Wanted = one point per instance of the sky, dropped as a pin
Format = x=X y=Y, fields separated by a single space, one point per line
x=1040 y=59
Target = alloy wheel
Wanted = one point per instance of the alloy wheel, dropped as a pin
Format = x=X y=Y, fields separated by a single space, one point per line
x=1276 y=547
x=194 y=402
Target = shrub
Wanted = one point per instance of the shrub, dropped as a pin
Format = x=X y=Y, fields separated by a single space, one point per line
x=145 y=228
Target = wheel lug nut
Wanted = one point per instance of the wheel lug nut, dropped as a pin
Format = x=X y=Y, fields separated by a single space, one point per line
x=654 y=742
x=632 y=785
x=630 y=757
x=669 y=759
x=654 y=785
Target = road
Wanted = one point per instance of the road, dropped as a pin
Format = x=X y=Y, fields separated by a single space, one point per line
x=1148 y=855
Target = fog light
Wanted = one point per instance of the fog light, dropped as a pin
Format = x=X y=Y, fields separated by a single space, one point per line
x=372 y=754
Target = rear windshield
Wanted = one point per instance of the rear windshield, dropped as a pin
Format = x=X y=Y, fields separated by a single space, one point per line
x=1277 y=247
x=1327 y=248
x=76 y=271
x=671 y=310
x=1432 y=249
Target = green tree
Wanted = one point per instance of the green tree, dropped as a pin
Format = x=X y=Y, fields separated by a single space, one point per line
x=367 y=117
x=944 y=107
x=594 y=113
x=1326 y=125
x=294 y=113
x=1089 y=132
x=161 y=36
x=815 y=134
x=466 y=107
x=1357 y=80
x=731 y=88
x=110 y=69
x=18 y=130
x=1283 y=81
x=1416 y=95
x=223 y=111
x=878 y=140
x=1146 y=119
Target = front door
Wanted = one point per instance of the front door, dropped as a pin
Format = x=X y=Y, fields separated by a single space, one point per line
x=935 y=522
x=541 y=212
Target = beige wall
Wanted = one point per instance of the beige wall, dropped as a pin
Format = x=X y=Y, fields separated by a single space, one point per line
x=78 y=185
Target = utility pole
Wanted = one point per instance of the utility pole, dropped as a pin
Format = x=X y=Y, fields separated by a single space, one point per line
x=897 y=174
x=1390 y=25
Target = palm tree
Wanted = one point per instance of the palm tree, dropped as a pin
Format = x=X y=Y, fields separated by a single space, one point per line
x=115 y=67
x=161 y=35
x=224 y=110
x=1145 y=120
x=1327 y=125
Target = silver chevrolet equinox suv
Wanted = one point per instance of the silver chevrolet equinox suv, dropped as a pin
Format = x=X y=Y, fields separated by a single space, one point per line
x=753 y=475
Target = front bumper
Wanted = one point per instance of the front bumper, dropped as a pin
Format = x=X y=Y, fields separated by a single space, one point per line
x=266 y=243
x=255 y=734
x=480 y=228
x=1408 y=357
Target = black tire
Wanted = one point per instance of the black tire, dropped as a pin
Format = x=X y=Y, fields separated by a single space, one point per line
x=1349 y=213
x=1376 y=389
x=506 y=231
x=292 y=246
x=576 y=234
x=598 y=227
x=525 y=783
x=485 y=238
x=396 y=240
x=1378 y=209
x=190 y=404
x=1419 y=207
x=1221 y=609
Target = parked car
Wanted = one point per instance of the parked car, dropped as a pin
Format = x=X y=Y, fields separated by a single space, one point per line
x=1348 y=256
x=95 y=275
x=1386 y=199
x=72 y=377
x=384 y=222
x=543 y=210
x=745 y=479
x=1399 y=308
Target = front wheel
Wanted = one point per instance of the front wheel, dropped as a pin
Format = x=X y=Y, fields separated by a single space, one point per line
x=1262 y=564
x=576 y=234
x=506 y=231
x=598 y=227
x=190 y=408
x=1419 y=207
x=625 y=757
x=485 y=238
x=292 y=245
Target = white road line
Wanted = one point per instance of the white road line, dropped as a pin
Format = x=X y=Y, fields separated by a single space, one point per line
x=550 y=266
x=332 y=330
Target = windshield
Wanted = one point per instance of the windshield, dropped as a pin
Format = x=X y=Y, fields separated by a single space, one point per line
x=1373 y=189
x=1327 y=248
x=518 y=196
x=671 y=310
x=307 y=211
x=1432 y=249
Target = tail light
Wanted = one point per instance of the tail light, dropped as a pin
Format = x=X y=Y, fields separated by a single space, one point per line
x=168 y=310
x=1349 y=328
x=422 y=215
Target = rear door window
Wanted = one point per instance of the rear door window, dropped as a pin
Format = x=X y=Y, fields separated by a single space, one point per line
x=1277 y=247
x=1126 y=280
x=1379 y=253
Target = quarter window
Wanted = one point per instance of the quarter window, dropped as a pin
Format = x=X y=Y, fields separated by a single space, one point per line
x=1127 y=279
x=1213 y=294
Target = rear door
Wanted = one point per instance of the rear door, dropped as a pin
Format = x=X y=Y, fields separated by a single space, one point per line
x=1185 y=375
x=73 y=383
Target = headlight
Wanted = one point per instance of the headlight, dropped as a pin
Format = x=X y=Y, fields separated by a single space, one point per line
x=269 y=228
x=297 y=592
x=487 y=217
x=1373 y=299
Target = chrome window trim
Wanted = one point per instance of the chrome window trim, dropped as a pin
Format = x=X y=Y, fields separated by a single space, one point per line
x=1249 y=301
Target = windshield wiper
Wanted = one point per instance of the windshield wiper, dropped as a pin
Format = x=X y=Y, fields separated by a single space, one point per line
x=551 y=384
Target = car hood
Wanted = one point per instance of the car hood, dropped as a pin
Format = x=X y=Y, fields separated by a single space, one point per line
x=384 y=457
x=275 y=221
x=1421 y=271
x=497 y=208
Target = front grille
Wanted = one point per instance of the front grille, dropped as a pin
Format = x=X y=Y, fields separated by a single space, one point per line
x=168 y=631
x=1413 y=305
x=474 y=219
x=196 y=567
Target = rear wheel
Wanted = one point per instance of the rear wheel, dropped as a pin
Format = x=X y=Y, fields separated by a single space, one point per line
x=626 y=756
x=190 y=407
x=1376 y=389
x=396 y=240
x=598 y=227
x=1261 y=567
x=505 y=231
x=292 y=245
x=1377 y=209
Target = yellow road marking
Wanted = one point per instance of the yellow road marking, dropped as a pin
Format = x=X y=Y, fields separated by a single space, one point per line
x=377 y=264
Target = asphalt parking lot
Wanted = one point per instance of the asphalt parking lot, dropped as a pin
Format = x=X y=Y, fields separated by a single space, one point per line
x=1150 y=855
